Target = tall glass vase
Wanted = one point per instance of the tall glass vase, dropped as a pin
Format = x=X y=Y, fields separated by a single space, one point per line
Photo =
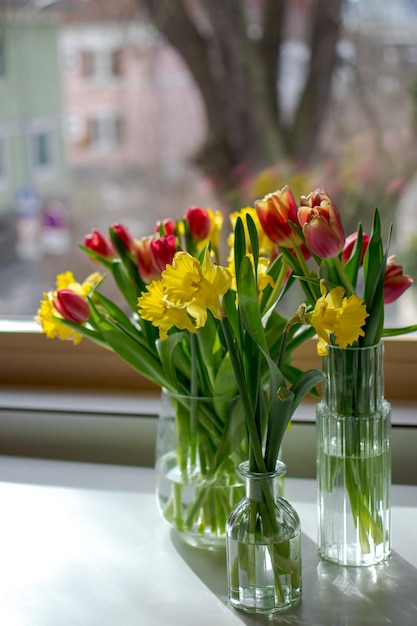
x=354 y=458
x=200 y=441
x=263 y=546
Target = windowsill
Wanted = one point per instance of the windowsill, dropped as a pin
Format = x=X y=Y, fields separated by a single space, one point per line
x=128 y=403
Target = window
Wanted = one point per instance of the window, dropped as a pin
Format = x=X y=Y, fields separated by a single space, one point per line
x=101 y=65
x=42 y=151
x=151 y=108
x=105 y=132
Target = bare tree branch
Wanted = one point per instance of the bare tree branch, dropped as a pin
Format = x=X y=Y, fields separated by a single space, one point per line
x=270 y=45
x=325 y=29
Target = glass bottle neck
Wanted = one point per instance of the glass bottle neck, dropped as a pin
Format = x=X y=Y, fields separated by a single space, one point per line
x=262 y=486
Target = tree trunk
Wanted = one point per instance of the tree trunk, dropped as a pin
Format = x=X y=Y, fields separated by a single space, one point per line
x=325 y=31
x=238 y=76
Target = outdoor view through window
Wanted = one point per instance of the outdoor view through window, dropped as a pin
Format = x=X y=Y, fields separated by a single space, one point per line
x=131 y=111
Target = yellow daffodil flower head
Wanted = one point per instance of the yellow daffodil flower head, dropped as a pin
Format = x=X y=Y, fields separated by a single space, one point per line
x=216 y=281
x=155 y=307
x=337 y=316
x=184 y=293
x=350 y=321
x=48 y=316
x=181 y=279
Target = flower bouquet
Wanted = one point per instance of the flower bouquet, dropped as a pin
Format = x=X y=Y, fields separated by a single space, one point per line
x=353 y=418
x=176 y=327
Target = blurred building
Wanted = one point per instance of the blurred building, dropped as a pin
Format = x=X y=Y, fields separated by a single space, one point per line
x=32 y=152
x=130 y=101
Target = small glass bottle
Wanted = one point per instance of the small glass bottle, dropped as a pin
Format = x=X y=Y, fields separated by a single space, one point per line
x=263 y=546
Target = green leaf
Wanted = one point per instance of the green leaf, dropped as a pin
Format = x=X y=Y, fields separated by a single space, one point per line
x=374 y=273
x=96 y=257
x=305 y=384
x=353 y=264
x=254 y=240
x=239 y=247
x=131 y=350
x=229 y=306
x=281 y=411
x=92 y=334
x=210 y=350
x=225 y=381
x=166 y=349
x=248 y=303
x=394 y=332
x=124 y=284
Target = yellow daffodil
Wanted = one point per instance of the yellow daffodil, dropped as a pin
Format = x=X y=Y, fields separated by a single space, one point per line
x=215 y=281
x=67 y=281
x=350 y=321
x=338 y=316
x=182 y=278
x=184 y=293
x=155 y=307
x=48 y=316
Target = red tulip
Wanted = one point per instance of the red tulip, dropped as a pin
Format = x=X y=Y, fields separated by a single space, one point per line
x=125 y=236
x=199 y=223
x=275 y=210
x=97 y=242
x=168 y=227
x=162 y=251
x=146 y=268
x=395 y=282
x=322 y=227
x=350 y=244
x=153 y=254
x=71 y=306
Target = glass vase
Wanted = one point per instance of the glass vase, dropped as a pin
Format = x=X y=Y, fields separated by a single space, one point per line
x=199 y=443
x=263 y=546
x=354 y=458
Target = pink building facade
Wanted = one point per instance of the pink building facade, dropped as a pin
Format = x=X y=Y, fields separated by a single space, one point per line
x=129 y=100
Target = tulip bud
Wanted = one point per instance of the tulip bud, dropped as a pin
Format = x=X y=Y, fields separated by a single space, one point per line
x=163 y=250
x=153 y=254
x=395 y=282
x=97 y=242
x=125 y=236
x=71 y=306
x=275 y=210
x=168 y=227
x=199 y=223
x=321 y=223
x=146 y=269
x=350 y=244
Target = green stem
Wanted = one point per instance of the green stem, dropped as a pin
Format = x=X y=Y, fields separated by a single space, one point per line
x=305 y=284
x=349 y=290
x=255 y=443
x=193 y=402
x=278 y=284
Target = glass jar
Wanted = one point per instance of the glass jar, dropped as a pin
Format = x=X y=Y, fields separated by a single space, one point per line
x=199 y=442
x=263 y=546
x=354 y=458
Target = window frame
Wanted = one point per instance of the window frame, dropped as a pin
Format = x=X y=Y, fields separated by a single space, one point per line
x=30 y=359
